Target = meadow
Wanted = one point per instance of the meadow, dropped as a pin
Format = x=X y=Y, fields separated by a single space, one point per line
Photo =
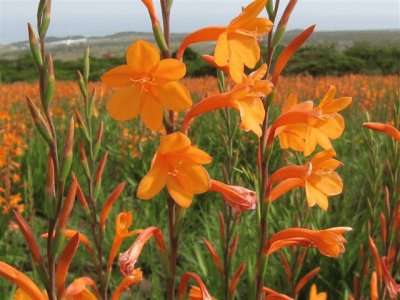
x=82 y=178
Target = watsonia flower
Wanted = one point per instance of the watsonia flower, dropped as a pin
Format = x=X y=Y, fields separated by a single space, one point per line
x=318 y=176
x=178 y=165
x=237 y=43
x=146 y=85
x=245 y=97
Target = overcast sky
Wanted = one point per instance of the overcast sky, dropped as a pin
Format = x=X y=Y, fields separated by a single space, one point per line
x=101 y=17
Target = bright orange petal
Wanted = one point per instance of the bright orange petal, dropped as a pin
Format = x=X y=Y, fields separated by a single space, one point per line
x=195 y=155
x=125 y=103
x=249 y=13
x=151 y=112
x=222 y=51
x=169 y=69
x=236 y=67
x=175 y=142
x=143 y=57
x=285 y=186
x=180 y=196
x=245 y=47
x=152 y=183
x=329 y=184
x=20 y=279
x=173 y=96
x=315 y=196
x=252 y=115
x=118 y=76
x=194 y=179
x=385 y=128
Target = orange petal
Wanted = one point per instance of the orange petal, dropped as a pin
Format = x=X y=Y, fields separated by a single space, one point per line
x=180 y=195
x=20 y=279
x=152 y=183
x=236 y=67
x=175 y=142
x=285 y=186
x=329 y=184
x=194 y=179
x=246 y=47
x=333 y=127
x=259 y=26
x=252 y=115
x=173 y=96
x=195 y=155
x=151 y=112
x=249 y=13
x=169 y=69
x=118 y=77
x=143 y=57
x=315 y=196
x=125 y=103
x=202 y=35
x=222 y=51
x=132 y=279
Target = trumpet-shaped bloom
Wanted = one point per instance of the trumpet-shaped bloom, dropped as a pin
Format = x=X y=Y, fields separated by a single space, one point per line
x=329 y=242
x=245 y=97
x=318 y=176
x=178 y=165
x=237 y=43
x=302 y=126
x=314 y=295
x=239 y=198
x=146 y=85
x=78 y=289
x=122 y=224
x=134 y=278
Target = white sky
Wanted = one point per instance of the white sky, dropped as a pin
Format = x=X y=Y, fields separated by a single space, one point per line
x=101 y=17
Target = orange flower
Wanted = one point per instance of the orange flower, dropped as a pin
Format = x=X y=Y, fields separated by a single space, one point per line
x=237 y=43
x=78 y=290
x=245 y=97
x=177 y=165
x=314 y=295
x=303 y=127
x=146 y=85
x=134 y=278
x=385 y=128
x=329 y=242
x=271 y=294
x=195 y=293
x=317 y=176
x=392 y=288
x=69 y=234
x=122 y=224
x=239 y=198
x=28 y=287
x=128 y=259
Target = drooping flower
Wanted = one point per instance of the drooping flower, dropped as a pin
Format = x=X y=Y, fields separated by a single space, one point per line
x=318 y=176
x=303 y=126
x=238 y=197
x=385 y=128
x=134 y=278
x=78 y=290
x=122 y=224
x=237 y=43
x=245 y=97
x=199 y=292
x=146 y=85
x=392 y=288
x=314 y=295
x=329 y=242
x=178 y=165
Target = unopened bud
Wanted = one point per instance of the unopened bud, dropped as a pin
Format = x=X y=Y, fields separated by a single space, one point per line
x=86 y=65
x=82 y=84
x=34 y=45
x=99 y=138
x=49 y=82
x=68 y=151
x=40 y=124
x=44 y=23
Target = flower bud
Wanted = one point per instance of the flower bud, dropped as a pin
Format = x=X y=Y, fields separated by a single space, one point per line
x=34 y=45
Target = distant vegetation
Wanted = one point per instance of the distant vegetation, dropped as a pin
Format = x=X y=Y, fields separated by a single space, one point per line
x=315 y=60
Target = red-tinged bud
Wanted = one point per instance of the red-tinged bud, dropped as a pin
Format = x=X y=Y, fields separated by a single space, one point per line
x=233 y=245
x=382 y=219
x=303 y=281
x=286 y=265
x=63 y=265
x=221 y=226
x=183 y=286
x=301 y=258
x=214 y=255
x=92 y=102
x=374 y=287
x=128 y=259
x=387 y=200
x=49 y=82
x=99 y=138
x=40 y=124
x=376 y=258
x=108 y=204
x=81 y=196
x=34 y=45
x=99 y=174
x=30 y=239
x=82 y=85
x=392 y=288
x=356 y=286
x=365 y=269
x=68 y=205
x=84 y=161
x=68 y=151
x=236 y=277
x=157 y=31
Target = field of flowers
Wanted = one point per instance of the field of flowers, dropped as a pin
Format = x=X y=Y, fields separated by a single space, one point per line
x=250 y=185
